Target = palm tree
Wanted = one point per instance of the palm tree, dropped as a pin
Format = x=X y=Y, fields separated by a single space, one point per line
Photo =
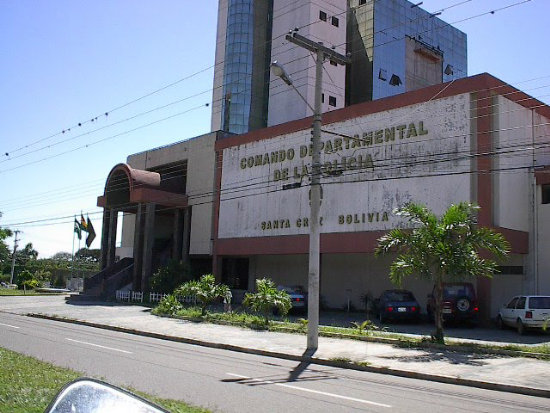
x=438 y=249
x=205 y=290
x=267 y=298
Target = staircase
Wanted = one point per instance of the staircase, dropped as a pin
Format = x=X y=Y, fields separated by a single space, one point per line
x=104 y=284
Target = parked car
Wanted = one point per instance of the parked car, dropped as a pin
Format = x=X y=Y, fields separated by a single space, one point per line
x=525 y=311
x=297 y=296
x=397 y=305
x=459 y=302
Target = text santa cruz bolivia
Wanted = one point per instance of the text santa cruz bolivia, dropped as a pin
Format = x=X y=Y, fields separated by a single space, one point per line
x=362 y=161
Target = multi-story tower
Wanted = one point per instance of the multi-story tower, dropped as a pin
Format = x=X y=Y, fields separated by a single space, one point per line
x=394 y=45
x=241 y=74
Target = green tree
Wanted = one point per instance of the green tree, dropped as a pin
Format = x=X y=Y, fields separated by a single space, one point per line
x=439 y=249
x=4 y=249
x=166 y=279
x=88 y=255
x=267 y=298
x=62 y=256
x=205 y=290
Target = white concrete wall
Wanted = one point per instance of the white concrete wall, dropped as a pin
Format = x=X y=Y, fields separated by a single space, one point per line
x=284 y=103
x=512 y=183
x=200 y=155
x=253 y=199
x=542 y=284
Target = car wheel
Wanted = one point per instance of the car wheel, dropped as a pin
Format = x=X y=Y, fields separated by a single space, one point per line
x=520 y=327
x=500 y=323
x=463 y=304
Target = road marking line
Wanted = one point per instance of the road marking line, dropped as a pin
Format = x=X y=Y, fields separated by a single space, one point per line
x=338 y=396
x=97 y=345
x=8 y=325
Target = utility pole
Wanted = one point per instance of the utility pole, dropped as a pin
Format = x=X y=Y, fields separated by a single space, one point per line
x=321 y=52
x=13 y=256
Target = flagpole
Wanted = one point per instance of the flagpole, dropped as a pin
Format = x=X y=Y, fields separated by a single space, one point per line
x=72 y=259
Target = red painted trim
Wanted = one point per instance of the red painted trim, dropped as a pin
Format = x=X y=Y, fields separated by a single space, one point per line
x=471 y=84
x=283 y=245
x=333 y=243
x=542 y=176
x=169 y=199
x=519 y=240
x=354 y=242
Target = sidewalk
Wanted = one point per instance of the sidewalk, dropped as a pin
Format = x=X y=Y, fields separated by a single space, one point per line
x=521 y=375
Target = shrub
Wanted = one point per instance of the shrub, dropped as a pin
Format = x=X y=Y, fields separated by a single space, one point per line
x=169 y=305
x=205 y=291
x=267 y=298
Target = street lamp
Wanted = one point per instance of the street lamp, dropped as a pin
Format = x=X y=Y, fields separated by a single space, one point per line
x=315 y=200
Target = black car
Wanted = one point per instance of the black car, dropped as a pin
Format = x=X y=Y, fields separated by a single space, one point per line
x=398 y=305
x=459 y=302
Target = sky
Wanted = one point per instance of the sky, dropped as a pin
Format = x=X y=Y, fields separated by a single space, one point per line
x=84 y=84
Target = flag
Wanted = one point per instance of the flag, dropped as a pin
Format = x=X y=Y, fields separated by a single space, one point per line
x=91 y=233
x=83 y=224
x=77 y=229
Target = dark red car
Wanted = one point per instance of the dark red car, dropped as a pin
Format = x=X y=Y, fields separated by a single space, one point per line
x=459 y=302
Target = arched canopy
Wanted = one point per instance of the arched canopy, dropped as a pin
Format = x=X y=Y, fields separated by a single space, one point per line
x=126 y=186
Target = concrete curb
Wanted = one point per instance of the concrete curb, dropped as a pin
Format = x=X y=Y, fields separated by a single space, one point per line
x=315 y=360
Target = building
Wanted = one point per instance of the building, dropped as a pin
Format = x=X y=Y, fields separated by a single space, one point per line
x=475 y=139
x=394 y=47
x=163 y=197
x=238 y=205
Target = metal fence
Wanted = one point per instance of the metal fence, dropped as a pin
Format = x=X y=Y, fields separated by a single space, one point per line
x=137 y=296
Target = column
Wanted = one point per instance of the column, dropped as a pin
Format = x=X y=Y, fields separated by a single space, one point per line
x=148 y=240
x=111 y=247
x=186 y=234
x=105 y=238
x=138 y=248
x=178 y=234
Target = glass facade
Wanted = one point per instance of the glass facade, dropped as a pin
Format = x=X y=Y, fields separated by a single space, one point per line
x=247 y=54
x=237 y=82
x=396 y=48
x=394 y=23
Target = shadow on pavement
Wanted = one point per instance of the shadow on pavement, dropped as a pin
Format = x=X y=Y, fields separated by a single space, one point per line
x=446 y=357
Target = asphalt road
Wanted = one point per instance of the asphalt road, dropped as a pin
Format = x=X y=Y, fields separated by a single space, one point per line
x=235 y=382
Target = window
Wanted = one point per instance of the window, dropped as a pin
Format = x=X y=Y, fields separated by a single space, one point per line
x=361 y=2
x=322 y=98
x=382 y=74
x=332 y=101
x=322 y=16
x=521 y=303
x=333 y=63
x=395 y=80
x=512 y=304
x=335 y=21
x=545 y=194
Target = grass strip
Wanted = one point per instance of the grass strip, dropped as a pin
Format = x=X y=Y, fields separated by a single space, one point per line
x=245 y=320
x=27 y=385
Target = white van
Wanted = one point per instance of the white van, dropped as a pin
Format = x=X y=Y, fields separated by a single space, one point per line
x=525 y=311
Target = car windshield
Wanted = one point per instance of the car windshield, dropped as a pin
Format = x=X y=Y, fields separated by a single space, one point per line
x=399 y=296
x=457 y=290
x=536 y=303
